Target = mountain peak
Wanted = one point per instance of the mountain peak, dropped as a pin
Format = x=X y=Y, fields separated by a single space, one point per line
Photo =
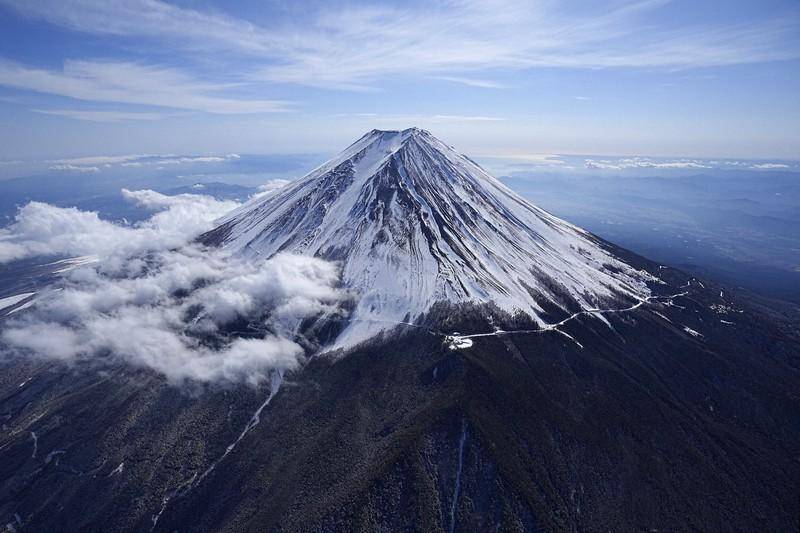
x=396 y=139
x=414 y=130
x=390 y=141
x=412 y=222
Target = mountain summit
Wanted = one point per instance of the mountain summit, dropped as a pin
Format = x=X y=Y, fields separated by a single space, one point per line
x=413 y=222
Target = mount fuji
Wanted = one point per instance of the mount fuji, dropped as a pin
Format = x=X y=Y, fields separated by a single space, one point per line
x=495 y=369
x=412 y=222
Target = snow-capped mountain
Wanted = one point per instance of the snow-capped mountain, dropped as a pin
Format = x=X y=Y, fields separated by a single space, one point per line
x=689 y=396
x=413 y=222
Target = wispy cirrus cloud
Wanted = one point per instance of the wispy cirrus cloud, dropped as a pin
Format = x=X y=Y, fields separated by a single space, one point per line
x=456 y=40
x=100 y=159
x=133 y=83
x=149 y=58
x=475 y=82
x=420 y=118
x=159 y=20
x=101 y=116
x=94 y=163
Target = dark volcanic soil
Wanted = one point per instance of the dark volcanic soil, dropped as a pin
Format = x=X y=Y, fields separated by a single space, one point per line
x=645 y=427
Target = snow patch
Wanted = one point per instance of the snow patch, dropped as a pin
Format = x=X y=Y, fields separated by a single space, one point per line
x=35 y=444
x=692 y=332
x=118 y=470
x=10 y=301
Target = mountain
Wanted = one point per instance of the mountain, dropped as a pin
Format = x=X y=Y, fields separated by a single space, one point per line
x=501 y=370
x=413 y=222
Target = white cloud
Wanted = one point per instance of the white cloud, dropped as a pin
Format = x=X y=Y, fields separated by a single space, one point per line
x=75 y=168
x=462 y=118
x=156 y=300
x=57 y=341
x=132 y=83
x=152 y=18
x=143 y=317
x=537 y=159
x=453 y=38
x=643 y=162
x=638 y=162
x=93 y=163
x=465 y=42
x=99 y=159
x=270 y=187
x=404 y=120
x=41 y=229
x=100 y=116
x=770 y=166
x=474 y=82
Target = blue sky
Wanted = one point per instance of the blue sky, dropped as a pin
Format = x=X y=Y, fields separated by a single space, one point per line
x=496 y=78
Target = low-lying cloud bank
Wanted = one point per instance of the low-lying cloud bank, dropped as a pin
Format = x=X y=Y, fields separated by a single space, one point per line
x=97 y=163
x=156 y=300
x=681 y=164
x=43 y=229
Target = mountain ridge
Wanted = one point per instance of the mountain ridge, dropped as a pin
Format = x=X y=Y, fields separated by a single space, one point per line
x=413 y=222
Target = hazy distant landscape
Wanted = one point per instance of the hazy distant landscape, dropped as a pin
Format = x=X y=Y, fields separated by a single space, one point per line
x=742 y=228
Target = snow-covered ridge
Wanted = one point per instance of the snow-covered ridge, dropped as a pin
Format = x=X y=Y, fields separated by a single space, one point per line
x=414 y=222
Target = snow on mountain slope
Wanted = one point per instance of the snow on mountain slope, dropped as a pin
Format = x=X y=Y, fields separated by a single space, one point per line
x=413 y=222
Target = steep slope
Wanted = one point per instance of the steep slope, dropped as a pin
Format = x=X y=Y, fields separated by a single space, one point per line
x=413 y=223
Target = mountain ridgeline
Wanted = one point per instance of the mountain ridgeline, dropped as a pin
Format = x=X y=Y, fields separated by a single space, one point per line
x=413 y=222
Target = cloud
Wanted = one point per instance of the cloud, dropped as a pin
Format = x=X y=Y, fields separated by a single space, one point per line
x=75 y=168
x=474 y=82
x=643 y=162
x=482 y=38
x=153 y=318
x=156 y=300
x=93 y=163
x=536 y=159
x=463 y=118
x=638 y=162
x=151 y=18
x=465 y=42
x=100 y=116
x=423 y=119
x=270 y=187
x=132 y=83
x=770 y=166
x=188 y=159
x=43 y=229
x=99 y=159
